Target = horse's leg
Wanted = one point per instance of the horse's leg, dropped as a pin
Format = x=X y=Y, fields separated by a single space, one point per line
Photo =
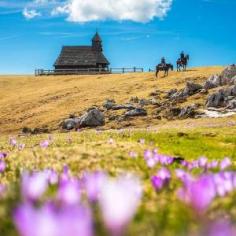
x=157 y=73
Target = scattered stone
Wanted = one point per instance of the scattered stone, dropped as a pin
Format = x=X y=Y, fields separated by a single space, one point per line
x=172 y=112
x=232 y=104
x=109 y=104
x=222 y=98
x=70 y=123
x=212 y=82
x=204 y=91
x=191 y=89
x=227 y=74
x=136 y=112
x=171 y=92
x=125 y=107
x=216 y=99
x=92 y=118
x=188 y=112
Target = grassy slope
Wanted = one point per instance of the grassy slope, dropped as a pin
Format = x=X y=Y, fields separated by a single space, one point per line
x=39 y=101
x=33 y=102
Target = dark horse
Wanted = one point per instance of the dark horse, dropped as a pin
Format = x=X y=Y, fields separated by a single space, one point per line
x=182 y=63
x=165 y=68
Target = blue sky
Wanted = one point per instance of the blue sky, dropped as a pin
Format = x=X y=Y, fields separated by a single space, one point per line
x=33 y=32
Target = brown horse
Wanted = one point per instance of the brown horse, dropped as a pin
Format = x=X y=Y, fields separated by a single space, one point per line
x=165 y=68
x=182 y=63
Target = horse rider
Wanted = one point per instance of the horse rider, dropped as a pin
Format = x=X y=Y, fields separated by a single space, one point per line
x=163 y=62
x=182 y=56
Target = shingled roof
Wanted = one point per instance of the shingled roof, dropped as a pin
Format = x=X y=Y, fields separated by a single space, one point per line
x=80 y=56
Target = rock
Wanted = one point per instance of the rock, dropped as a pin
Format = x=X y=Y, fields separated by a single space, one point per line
x=188 y=112
x=70 y=123
x=121 y=107
x=144 y=102
x=136 y=112
x=227 y=74
x=216 y=99
x=172 y=112
x=171 y=92
x=212 y=82
x=222 y=97
x=191 y=89
x=204 y=91
x=232 y=104
x=233 y=81
x=92 y=118
x=109 y=104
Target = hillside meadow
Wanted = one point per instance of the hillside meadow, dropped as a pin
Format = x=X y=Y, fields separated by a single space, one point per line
x=153 y=177
x=35 y=102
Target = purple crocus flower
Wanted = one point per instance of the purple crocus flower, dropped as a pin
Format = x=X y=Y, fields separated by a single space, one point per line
x=161 y=179
x=148 y=154
x=2 y=166
x=69 y=192
x=151 y=162
x=50 y=221
x=225 y=163
x=12 y=141
x=202 y=162
x=21 y=146
x=44 y=144
x=221 y=228
x=34 y=185
x=93 y=183
x=198 y=193
x=52 y=176
x=157 y=183
x=183 y=175
x=133 y=154
x=3 y=155
x=212 y=165
x=119 y=200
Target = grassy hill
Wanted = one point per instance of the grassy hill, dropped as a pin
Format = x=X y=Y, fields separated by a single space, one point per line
x=45 y=101
x=28 y=101
x=35 y=102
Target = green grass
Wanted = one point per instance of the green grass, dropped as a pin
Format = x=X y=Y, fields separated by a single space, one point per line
x=159 y=214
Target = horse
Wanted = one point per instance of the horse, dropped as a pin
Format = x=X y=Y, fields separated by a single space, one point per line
x=182 y=63
x=165 y=68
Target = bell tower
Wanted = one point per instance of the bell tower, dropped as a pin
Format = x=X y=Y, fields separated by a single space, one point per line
x=97 y=43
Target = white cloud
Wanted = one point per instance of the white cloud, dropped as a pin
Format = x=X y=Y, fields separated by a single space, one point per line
x=30 y=14
x=134 y=10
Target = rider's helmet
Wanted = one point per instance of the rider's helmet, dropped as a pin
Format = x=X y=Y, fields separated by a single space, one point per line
x=163 y=59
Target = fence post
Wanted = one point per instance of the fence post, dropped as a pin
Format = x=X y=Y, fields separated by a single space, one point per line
x=123 y=70
x=142 y=69
x=134 y=69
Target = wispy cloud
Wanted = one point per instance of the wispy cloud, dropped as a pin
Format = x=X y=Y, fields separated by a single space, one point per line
x=30 y=14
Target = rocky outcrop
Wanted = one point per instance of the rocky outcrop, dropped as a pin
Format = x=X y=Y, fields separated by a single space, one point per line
x=222 y=98
x=92 y=118
x=191 y=89
x=109 y=104
x=227 y=77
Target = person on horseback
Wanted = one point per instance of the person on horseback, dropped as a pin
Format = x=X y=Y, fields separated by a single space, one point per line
x=163 y=61
x=182 y=56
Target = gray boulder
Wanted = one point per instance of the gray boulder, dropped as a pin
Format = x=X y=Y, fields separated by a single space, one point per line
x=92 y=118
x=136 y=112
x=212 y=82
x=70 y=123
x=232 y=104
x=188 y=112
x=227 y=74
x=217 y=99
x=109 y=104
x=191 y=89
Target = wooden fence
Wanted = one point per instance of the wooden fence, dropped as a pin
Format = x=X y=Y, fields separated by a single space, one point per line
x=89 y=71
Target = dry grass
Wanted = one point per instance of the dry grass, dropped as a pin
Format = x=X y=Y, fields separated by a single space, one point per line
x=44 y=101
